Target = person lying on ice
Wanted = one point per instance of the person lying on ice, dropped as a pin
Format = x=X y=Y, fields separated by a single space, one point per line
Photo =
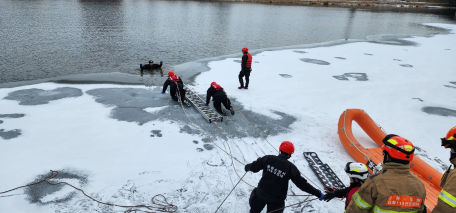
x=273 y=186
x=220 y=97
x=175 y=84
x=447 y=197
x=151 y=65
x=357 y=172
x=393 y=189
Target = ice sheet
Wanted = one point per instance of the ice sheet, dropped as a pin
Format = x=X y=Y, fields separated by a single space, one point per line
x=128 y=161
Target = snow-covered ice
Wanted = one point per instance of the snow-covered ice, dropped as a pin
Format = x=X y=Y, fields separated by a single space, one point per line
x=124 y=144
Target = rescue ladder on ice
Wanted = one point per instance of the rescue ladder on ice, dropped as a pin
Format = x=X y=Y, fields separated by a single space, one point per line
x=208 y=112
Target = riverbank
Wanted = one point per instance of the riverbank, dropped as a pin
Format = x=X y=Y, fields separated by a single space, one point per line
x=344 y=3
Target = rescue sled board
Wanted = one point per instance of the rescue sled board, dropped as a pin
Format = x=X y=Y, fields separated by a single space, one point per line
x=324 y=173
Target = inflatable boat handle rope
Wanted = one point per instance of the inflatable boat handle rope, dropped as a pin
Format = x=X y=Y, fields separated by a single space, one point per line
x=351 y=142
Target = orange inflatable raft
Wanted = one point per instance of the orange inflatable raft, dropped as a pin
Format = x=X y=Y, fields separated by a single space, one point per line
x=372 y=157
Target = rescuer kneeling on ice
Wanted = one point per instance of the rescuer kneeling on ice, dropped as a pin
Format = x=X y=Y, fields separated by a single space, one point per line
x=175 y=84
x=447 y=197
x=220 y=97
x=394 y=188
x=358 y=174
x=273 y=186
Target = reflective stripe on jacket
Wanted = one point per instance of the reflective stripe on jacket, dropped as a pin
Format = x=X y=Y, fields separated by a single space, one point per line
x=392 y=190
x=447 y=197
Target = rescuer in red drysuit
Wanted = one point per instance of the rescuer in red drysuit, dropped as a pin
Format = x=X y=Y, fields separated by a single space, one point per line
x=175 y=84
x=219 y=97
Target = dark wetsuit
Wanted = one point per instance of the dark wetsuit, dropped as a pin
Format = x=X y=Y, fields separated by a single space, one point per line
x=273 y=186
x=219 y=97
x=175 y=83
x=154 y=66
x=246 y=65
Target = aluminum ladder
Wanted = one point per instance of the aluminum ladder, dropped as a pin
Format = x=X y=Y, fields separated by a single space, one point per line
x=208 y=112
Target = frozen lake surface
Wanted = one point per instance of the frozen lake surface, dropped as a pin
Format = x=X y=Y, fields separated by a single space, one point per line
x=123 y=144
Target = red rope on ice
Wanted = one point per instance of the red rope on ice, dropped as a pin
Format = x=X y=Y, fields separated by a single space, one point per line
x=169 y=208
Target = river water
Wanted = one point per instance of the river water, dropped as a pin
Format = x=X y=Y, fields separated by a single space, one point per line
x=49 y=38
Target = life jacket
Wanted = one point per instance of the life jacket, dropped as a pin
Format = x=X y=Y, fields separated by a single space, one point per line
x=217 y=87
x=174 y=78
x=350 y=192
x=249 y=60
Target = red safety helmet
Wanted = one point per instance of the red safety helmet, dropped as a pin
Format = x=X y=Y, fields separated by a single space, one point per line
x=245 y=49
x=213 y=83
x=398 y=147
x=450 y=140
x=287 y=147
x=170 y=73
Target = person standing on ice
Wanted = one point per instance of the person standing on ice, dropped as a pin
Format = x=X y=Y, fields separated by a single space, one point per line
x=220 y=97
x=273 y=186
x=175 y=84
x=246 y=68
x=358 y=174
x=447 y=197
x=393 y=189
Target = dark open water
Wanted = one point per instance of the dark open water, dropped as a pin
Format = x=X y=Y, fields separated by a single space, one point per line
x=49 y=38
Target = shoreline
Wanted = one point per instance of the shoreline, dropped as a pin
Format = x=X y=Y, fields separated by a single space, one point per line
x=348 y=3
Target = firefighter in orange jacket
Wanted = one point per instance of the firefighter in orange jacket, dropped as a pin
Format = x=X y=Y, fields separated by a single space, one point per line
x=393 y=189
x=447 y=197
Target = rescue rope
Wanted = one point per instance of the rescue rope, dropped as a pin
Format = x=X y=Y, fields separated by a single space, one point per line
x=254 y=127
x=293 y=205
x=378 y=125
x=170 y=208
x=183 y=109
x=230 y=192
x=218 y=129
x=232 y=157
x=240 y=128
x=272 y=145
x=231 y=154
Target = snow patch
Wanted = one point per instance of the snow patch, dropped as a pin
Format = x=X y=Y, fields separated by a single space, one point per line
x=154 y=109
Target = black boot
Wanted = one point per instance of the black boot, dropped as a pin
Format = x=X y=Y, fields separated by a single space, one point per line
x=222 y=112
x=231 y=110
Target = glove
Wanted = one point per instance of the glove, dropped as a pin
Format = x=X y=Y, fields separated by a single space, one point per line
x=321 y=196
x=140 y=65
x=205 y=104
x=161 y=62
x=328 y=196
x=329 y=189
x=163 y=92
x=247 y=168
x=242 y=72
